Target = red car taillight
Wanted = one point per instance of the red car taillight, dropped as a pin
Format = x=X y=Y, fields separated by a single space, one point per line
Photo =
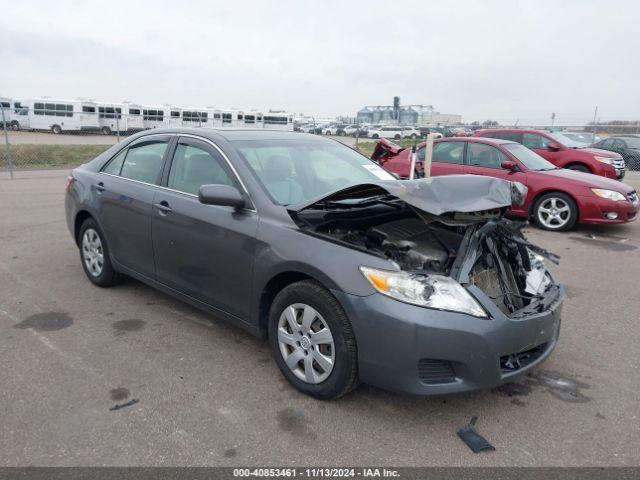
x=70 y=181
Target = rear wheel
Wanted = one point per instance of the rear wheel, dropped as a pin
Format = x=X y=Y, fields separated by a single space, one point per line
x=397 y=136
x=94 y=255
x=106 y=131
x=414 y=136
x=313 y=341
x=375 y=135
x=555 y=211
x=579 y=168
x=56 y=129
x=15 y=126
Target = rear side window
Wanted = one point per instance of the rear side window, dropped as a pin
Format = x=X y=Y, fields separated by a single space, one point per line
x=445 y=152
x=193 y=167
x=482 y=155
x=144 y=162
x=115 y=165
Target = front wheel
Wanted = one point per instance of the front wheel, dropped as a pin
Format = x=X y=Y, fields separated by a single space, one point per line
x=94 y=255
x=313 y=341
x=579 y=168
x=106 y=131
x=56 y=129
x=555 y=211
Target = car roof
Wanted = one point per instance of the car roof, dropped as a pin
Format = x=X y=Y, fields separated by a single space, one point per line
x=489 y=140
x=232 y=134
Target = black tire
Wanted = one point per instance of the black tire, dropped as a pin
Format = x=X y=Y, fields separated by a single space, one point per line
x=108 y=277
x=413 y=136
x=56 y=129
x=579 y=168
x=106 y=131
x=344 y=375
x=15 y=126
x=573 y=212
x=397 y=136
x=375 y=135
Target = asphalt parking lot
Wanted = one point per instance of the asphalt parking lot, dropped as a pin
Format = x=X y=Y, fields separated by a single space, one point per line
x=210 y=394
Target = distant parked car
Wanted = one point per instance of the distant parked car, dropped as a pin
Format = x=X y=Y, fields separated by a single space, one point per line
x=461 y=132
x=562 y=151
x=335 y=129
x=393 y=131
x=424 y=131
x=556 y=199
x=626 y=145
x=444 y=131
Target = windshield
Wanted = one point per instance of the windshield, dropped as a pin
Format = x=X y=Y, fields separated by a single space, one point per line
x=586 y=138
x=632 y=142
x=529 y=158
x=296 y=171
x=565 y=140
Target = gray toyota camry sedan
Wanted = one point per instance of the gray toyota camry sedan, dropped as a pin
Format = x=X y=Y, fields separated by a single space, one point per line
x=419 y=286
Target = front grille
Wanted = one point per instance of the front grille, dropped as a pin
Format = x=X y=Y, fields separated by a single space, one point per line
x=432 y=371
x=515 y=361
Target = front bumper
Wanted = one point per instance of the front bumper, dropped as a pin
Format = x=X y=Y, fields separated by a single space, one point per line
x=594 y=210
x=422 y=351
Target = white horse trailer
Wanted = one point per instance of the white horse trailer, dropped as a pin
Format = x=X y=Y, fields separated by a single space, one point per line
x=110 y=118
x=195 y=117
x=174 y=118
x=230 y=118
x=61 y=115
x=154 y=117
x=132 y=115
x=278 y=121
x=5 y=111
x=253 y=119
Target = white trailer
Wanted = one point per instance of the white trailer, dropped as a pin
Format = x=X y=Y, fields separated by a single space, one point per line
x=278 y=121
x=154 y=117
x=253 y=119
x=5 y=111
x=132 y=115
x=174 y=116
x=195 y=117
x=111 y=119
x=61 y=115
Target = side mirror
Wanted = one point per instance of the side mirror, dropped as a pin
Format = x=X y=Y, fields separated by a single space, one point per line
x=554 y=147
x=509 y=165
x=222 y=195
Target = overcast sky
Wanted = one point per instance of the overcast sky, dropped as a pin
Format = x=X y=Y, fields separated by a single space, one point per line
x=502 y=60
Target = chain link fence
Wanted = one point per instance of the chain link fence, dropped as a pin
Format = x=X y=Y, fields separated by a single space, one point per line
x=49 y=135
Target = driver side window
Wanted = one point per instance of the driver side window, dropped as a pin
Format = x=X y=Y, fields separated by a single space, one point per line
x=533 y=140
x=482 y=155
x=193 y=167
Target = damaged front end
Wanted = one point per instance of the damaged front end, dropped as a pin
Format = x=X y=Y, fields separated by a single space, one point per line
x=443 y=236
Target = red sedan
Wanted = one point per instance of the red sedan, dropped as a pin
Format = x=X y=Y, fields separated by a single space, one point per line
x=557 y=198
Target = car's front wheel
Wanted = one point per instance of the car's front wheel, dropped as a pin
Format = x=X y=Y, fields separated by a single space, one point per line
x=94 y=255
x=555 y=211
x=313 y=341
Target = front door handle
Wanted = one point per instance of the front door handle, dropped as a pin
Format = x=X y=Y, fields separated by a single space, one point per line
x=99 y=187
x=163 y=207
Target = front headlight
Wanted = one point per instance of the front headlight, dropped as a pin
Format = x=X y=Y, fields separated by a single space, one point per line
x=603 y=159
x=609 y=194
x=432 y=291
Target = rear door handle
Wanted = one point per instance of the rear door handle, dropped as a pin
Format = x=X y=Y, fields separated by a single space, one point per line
x=99 y=187
x=163 y=207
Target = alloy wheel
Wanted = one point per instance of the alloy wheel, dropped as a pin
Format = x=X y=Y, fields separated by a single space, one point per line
x=554 y=213
x=306 y=343
x=92 y=252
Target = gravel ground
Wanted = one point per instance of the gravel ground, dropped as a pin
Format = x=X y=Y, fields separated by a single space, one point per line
x=210 y=394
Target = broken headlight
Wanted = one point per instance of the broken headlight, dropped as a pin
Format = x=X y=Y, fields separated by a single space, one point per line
x=432 y=291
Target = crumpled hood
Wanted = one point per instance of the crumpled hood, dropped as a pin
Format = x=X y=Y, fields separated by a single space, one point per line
x=436 y=195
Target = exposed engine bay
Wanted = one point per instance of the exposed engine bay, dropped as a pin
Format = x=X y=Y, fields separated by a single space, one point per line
x=482 y=249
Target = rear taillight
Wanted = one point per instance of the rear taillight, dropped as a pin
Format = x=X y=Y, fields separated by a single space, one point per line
x=70 y=181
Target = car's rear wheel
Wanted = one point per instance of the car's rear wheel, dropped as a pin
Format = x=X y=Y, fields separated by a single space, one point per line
x=579 y=168
x=94 y=255
x=313 y=341
x=555 y=211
